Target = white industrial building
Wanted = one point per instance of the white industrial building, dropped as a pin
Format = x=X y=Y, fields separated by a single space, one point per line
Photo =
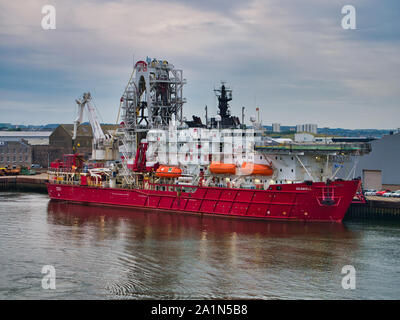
x=382 y=163
x=276 y=127
x=308 y=127
x=303 y=137
x=32 y=137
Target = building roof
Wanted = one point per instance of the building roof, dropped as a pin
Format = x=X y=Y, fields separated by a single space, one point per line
x=14 y=142
x=38 y=141
x=25 y=134
x=85 y=130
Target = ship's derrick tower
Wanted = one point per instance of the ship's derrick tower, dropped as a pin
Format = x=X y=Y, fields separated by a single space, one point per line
x=152 y=97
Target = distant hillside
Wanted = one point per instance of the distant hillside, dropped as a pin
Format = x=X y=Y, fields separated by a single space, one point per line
x=45 y=127
x=285 y=130
x=376 y=133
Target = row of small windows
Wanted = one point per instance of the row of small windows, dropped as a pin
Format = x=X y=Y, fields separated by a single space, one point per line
x=265 y=181
x=13 y=150
x=157 y=135
x=260 y=180
x=14 y=158
x=280 y=158
x=281 y=170
x=249 y=134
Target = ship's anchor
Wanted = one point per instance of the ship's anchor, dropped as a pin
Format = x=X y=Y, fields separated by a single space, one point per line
x=328 y=195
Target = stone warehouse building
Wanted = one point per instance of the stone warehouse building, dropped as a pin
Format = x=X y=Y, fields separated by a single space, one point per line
x=60 y=141
x=32 y=137
x=17 y=146
x=15 y=153
x=43 y=147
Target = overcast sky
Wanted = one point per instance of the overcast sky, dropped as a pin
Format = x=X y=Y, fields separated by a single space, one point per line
x=293 y=59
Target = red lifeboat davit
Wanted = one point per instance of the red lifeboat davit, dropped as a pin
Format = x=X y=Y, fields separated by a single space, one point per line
x=222 y=168
x=256 y=169
x=168 y=172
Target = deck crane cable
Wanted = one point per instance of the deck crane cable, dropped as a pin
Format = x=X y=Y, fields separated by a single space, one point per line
x=97 y=110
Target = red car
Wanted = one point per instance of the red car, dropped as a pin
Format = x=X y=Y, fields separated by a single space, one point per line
x=380 y=193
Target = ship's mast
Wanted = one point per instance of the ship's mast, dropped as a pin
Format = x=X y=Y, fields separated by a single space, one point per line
x=224 y=95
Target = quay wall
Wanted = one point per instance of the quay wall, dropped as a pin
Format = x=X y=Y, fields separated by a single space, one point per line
x=375 y=208
x=35 y=183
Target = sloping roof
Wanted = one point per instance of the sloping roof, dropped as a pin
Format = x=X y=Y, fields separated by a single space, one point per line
x=15 y=142
x=26 y=134
x=38 y=141
x=85 y=130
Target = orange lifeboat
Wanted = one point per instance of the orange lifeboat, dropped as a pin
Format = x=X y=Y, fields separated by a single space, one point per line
x=168 y=172
x=256 y=169
x=222 y=168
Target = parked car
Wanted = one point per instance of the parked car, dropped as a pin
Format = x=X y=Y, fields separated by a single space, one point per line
x=370 y=192
x=382 y=192
x=35 y=166
x=395 y=194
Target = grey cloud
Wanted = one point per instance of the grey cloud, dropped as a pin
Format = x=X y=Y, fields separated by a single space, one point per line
x=291 y=58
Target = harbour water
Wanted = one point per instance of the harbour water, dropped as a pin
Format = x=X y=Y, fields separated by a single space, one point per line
x=117 y=253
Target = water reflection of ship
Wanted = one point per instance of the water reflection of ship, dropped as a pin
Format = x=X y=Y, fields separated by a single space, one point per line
x=69 y=214
x=166 y=255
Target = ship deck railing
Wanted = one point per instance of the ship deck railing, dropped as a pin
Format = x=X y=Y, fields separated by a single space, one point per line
x=78 y=183
x=352 y=148
x=170 y=187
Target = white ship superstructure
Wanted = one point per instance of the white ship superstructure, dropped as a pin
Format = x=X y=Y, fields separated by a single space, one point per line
x=223 y=152
x=193 y=150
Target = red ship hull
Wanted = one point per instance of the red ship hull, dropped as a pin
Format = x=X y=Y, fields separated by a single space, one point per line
x=301 y=201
